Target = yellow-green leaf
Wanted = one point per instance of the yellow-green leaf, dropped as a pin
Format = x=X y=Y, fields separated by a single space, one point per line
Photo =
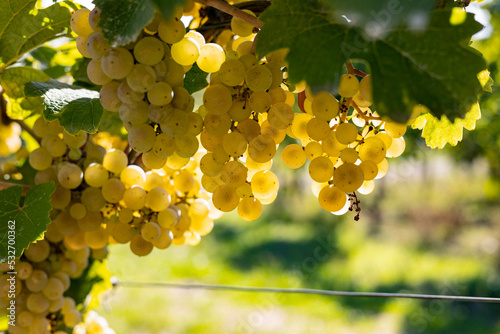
x=24 y=27
x=439 y=132
x=13 y=80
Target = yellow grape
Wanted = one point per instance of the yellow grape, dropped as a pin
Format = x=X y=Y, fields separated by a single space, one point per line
x=346 y=133
x=397 y=148
x=95 y=175
x=117 y=63
x=234 y=173
x=260 y=102
x=265 y=184
x=313 y=150
x=349 y=85
x=96 y=46
x=97 y=239
x=331 y=198
x=148 y=51
x=395 y=130
x=91 y=222
x=249 y=129
x=293 y=156
x=164 y=240
x=211 y=57
x=365 y=88
x=234 y=144
x=161 y=94
x=349 y=155
x=139 y=246
x=258 y=78
x=93 y=199
x=225 y=198
x=348 y=177
x=70 y=176
x=171 y=31
x=112 y=190
x=241 y=27
x=217 y=99
x=133 y=175
x=373 y=149
x=186 y=51
x=150 y=231
x=370 y=169
x=249 y=208
x=80 y=22
x=158 y=199
x=134 y=197
x=262 y=148
x=325 y=106
x=317 y=129
x=321 y=169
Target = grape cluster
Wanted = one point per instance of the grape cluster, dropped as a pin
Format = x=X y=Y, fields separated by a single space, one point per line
x=247 y=112
x=346 y=142
x=43 y=275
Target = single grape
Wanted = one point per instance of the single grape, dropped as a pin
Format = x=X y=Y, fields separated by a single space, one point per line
x=225 y=198
x=80 y=22
x=321 y=169
x=293 y=156
x=349 y=85
x=142 y=138
x=186 y=51
x=149 y=51
x=331 y=198
x=211 y=57
x=117 y=63
x=70 y=176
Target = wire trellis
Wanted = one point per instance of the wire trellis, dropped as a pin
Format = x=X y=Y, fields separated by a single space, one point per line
x=118 y=283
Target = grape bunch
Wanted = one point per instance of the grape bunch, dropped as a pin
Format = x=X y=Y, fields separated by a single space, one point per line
x=346 y=142
x=247 y=111
x=43 y=276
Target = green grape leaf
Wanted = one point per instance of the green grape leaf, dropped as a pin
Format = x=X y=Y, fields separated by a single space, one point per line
x=434 y=67
x=167 y=8
x=76 y=108
x=376 y=17
x=12 y=80
x=195 y=79
x=23 y=27
x=30 y=219
x=121 y=21
x=439 y=132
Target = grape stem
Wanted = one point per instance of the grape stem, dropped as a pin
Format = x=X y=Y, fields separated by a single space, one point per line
x=361 y=113
x=233 y=11
x=351 y=70
x=254 y=44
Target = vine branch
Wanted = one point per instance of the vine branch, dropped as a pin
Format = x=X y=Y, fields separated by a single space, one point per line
x=29 y=130
x=233 y=11
x=352 y=70
x=361 y=113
